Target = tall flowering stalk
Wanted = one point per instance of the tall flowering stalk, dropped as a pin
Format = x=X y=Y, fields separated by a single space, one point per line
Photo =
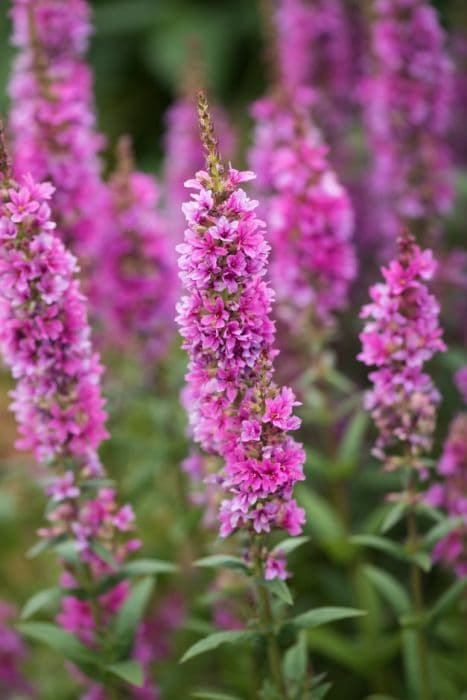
x=236 y=409
x=406 y=105
x=401 y=334
x=450 y=493
x=52 y=121
x=314 y=50
x=57 y=401
x=137 y=277
x=309 y=215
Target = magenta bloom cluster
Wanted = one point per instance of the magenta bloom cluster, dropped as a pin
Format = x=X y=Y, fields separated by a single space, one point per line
x=450 y=494
x=401 y=334
x=184 y=155
x=45 y=341
x=236 y=410
x=406 y=104
x=52 y=118
x=309 y=214
x=137 y=276
x=314 y=52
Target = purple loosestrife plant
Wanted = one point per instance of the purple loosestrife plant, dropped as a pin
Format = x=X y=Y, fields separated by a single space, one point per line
x=52 y=120
x=406 y=105
x=57 y=401
x=235 y=409
x=401 y=334
x=309 y=214
x=137 y=276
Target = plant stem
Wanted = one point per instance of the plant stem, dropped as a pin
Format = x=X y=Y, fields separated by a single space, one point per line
x=267 y=622
x=417 y=602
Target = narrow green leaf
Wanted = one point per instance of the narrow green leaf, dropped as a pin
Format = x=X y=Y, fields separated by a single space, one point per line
x=280 y=589
x=353 y=437
x=215 y=640
x=129 y=671
x=104 y=554
x=323 y=519
x=219 y=561
x=393 y=516
x=42 y=599
x=389 y=588
x=290 y=544
x=128 y=617
x=57 y=639
x=66 y=550
x=321 y=616
x=446 y=600
x=295 y=660
x=149 y=567
x=382 y=544
x=421 y=559
x=440 y=530
x=321 y=691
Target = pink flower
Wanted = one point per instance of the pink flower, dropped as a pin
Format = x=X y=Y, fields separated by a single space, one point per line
x=276 y=567
x=401 y=334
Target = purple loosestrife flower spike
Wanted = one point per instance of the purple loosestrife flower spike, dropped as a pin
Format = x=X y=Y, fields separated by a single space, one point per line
x=235 y=409
x=52 y=120
x=401 y=333
x=309 y=215
x=137 y=276
x=57 y=401
x=451 y=495
x=406 y=103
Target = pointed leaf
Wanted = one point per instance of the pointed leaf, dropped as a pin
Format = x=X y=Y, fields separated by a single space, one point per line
x=288 y=545
x=149 y=567
x=382 y=544
x=321 y=616
x=295 y=659
x=446 y=600
x=42 y=599
x=128 y=617
x=389 y=588
x=129 y=671
x=215 y=640
x=393 y=516
x=280 y=589
x=440 y=530
x=324 y=521
x=220 y=561
x=58 y=640
x=353 y=437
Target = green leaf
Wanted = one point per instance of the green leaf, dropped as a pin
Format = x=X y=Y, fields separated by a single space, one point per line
x=389 y=588
x=42 y=599
x=220 y=561
x=446 y=600
x=66 y=550
x=57 y=639
x=128 y=617
x=382 y=544
x=280 y=589
x=321 y=691
x=149 y=567
x=440 y=530
x=290 y=544
x=212 y=695
x=129 y=671
x=393 y=516
x=295 y=660
x=104 y=554
x=422 y=559
x=350 y=446
x=215 y=640
x=321 y=616
x=323 y=519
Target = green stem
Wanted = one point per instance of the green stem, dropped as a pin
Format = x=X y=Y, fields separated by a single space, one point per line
x=416 y=587
x=268 y=624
